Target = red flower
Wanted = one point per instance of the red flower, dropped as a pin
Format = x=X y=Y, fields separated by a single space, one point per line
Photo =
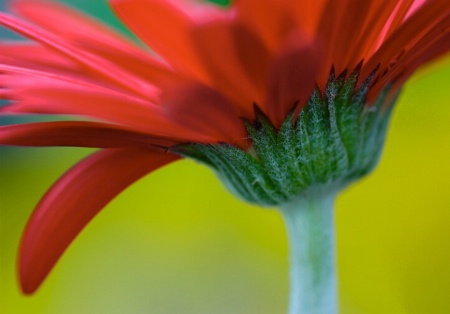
x=212 y=64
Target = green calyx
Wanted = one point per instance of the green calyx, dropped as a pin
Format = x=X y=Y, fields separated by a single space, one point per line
x=335 y=139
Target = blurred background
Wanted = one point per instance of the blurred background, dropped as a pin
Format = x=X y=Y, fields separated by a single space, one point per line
x=177 y=242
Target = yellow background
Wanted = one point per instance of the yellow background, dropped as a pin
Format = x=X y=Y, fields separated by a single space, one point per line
x=177 y=242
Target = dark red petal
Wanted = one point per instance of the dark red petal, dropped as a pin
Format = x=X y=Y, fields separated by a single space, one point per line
x=78 y=134
x=398 y=16
x=365 y=35
x=345 y=22
x=436 y=49
x=292 y=79
x=73 y=201
x=407 y=35
x=432 y=45
x=201 y=109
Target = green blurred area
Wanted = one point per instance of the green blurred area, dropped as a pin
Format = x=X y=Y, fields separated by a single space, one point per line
x=177 y=242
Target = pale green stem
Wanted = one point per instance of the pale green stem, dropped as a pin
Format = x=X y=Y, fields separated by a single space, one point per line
x=310 y=228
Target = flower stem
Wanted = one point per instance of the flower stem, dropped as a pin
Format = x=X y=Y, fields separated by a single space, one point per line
x=310 y=228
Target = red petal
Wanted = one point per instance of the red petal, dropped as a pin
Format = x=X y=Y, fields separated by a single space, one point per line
x=407 y=35
x=32 y=56
x=78 y=134
x=45 y=92
x=274 y=20
x=93 y=65
x=292 y=79
x=73 y=201
x=307 y=14
x=366 y=33
x=201 y=109
x=149 y=19
x=40 y=92
x=433 y=51
x=85 y=33
x=398 y=16
x=78 y=27
x=236 y=60
x=269 y=19
x=432 y=45
x=344 y=23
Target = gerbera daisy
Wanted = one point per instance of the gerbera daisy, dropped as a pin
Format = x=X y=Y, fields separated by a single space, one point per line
x=287 y=101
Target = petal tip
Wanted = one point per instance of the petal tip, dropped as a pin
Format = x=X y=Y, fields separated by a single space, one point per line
x=28 y=284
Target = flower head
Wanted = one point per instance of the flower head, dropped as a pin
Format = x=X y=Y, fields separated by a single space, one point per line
x=301 y=64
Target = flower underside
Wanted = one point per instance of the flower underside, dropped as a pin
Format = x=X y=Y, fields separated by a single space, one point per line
x=193 y=97
x=335 y=139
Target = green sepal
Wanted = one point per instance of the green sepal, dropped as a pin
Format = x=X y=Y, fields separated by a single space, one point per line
x=336 y=138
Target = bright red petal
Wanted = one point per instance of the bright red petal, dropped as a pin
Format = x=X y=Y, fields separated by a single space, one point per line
x=73 y=201
x=275 y=20
x=33 y=56
x=36 y=57
x=264 y=17
x=46 y=93
x=83 y=32
x=94 y=66
x=78 y=27
x=164 y=26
